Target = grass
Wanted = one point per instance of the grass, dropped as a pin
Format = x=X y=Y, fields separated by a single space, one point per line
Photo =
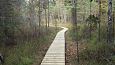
x=99 y=53
x=91 y=52
x=31 y=51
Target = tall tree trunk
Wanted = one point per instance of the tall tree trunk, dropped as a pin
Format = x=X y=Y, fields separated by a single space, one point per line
x=48 y=13
x=46 y=19
x=90 y=21
x=75 y=28
x=39 y=13
x=99 y=19
x=113 y=26
x=109 y=38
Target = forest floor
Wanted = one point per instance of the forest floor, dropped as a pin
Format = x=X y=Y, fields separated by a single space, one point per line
x=71 y=49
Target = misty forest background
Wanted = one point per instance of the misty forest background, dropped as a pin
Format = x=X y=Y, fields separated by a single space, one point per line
x=28 y=27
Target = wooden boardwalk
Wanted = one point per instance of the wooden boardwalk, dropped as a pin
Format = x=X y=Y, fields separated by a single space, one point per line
x=56 y=53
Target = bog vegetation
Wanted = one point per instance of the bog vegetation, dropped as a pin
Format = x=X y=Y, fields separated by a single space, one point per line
x=25 y=34
x=95 y=36
x=27 y=28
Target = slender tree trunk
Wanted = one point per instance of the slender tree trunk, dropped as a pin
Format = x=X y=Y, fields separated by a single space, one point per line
x=99 y=20
x=110 y=38
x=74 y=16
x=113 y=27
x=48 y=14
x=39 y=16
x=46 y=19
x=90 y=21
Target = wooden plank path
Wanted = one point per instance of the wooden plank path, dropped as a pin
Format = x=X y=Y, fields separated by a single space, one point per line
x=56 y=52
